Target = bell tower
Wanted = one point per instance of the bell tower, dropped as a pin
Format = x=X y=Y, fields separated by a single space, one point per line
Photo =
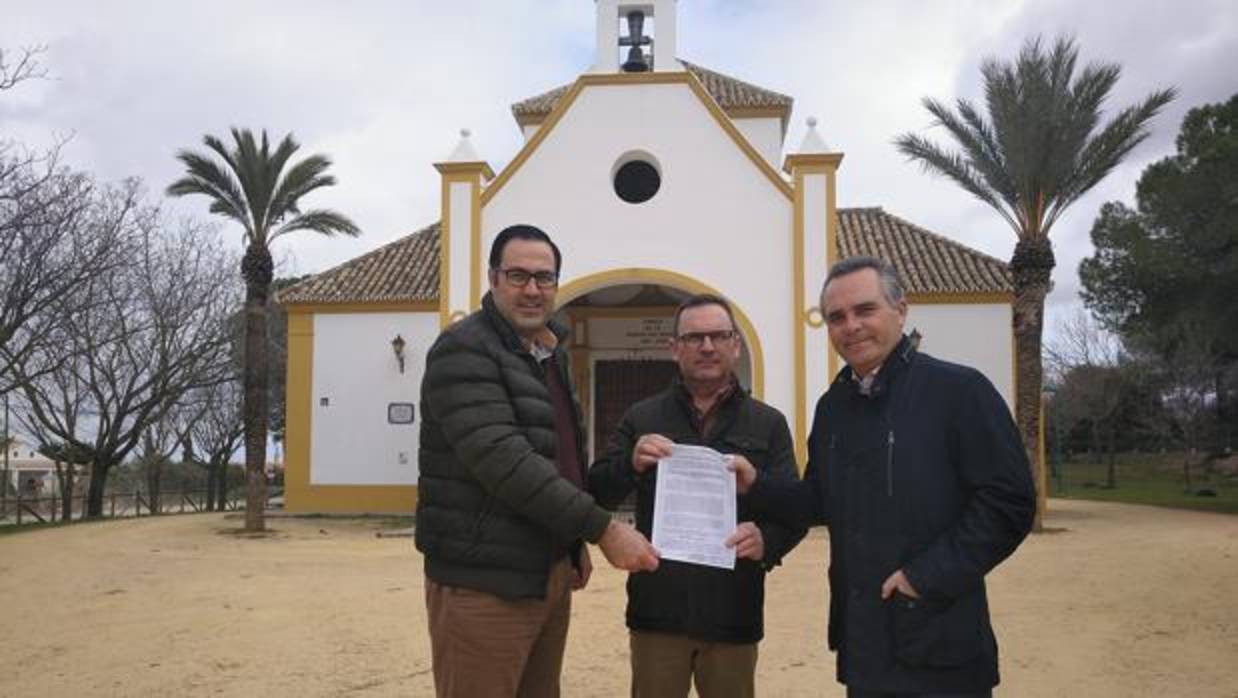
x=635 y=36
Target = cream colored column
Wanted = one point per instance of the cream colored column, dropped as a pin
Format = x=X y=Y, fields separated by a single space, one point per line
x=460 y=238
x=815 y=247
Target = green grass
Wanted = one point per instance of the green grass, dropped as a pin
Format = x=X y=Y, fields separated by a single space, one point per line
x=1142 y=478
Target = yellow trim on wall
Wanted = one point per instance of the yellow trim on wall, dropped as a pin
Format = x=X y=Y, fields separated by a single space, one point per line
x=1042 y=479
x=583 y=81
x=586 y=312
x=475 y=246
x=592 y=282
x=477 y=167
x=799 y=166
x=725 y=122
x=352 y=499
x=780 y=113
x=756 y=112
x=812 y=162
x=470 y=173
x=1014 y=367
x=800 y=338
x=299 y=495
x=832 y=243
x=364 y=307
x=444 y=254
x=297 y=405
x=532 y=144
x=960 y=298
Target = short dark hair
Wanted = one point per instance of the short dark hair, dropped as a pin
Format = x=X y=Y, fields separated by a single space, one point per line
x=891 y=283
x=521 y=232
x=697 y=301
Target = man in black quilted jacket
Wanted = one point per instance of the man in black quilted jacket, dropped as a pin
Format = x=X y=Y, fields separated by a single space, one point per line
x=691 y=623
x=502 y=515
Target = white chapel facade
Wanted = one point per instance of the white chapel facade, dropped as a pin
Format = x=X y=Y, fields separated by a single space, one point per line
x=658 y=179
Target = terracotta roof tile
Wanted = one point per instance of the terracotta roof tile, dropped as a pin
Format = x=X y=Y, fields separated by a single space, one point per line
x=928 y=262
x=401 y=271
x=727 y=91
x=407 y=269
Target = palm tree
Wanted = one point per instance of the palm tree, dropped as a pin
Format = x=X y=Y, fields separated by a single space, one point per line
x=253 y=188
x=1039 y=150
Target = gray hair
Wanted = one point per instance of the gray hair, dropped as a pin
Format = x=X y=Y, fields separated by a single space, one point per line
x=891 y=284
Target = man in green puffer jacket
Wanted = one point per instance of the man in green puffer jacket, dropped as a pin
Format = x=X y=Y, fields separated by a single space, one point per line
x=502 y=515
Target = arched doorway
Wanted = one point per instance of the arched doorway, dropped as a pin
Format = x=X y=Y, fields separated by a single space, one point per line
x=621 y=331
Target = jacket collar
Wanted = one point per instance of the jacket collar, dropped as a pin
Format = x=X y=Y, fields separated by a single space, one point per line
x=558 y=332
x=893 y=366
x=734 y=392
x=720 y=415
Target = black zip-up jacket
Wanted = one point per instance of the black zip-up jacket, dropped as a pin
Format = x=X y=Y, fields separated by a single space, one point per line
x=926 y=474
x=493 y=512
x=705 y=603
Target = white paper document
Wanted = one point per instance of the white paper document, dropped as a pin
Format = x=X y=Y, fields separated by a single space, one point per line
x=694 y=507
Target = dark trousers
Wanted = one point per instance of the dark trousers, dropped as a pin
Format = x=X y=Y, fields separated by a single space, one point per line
x=860 y=693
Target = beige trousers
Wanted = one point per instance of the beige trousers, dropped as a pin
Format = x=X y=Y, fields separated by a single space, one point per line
x=486 y=646
x=663 y=665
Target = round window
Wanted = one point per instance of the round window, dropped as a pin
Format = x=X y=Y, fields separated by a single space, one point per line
x=637 y=180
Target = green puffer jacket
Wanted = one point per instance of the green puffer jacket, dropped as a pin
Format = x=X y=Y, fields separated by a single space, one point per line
x=493 y=512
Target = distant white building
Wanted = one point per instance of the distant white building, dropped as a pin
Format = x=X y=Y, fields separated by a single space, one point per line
x=30 y=472
x=656 y=184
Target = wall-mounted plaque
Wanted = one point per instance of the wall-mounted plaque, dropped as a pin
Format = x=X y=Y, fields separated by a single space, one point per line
x=400 y=413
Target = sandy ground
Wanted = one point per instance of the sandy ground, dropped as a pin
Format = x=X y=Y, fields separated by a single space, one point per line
x=1118 y=601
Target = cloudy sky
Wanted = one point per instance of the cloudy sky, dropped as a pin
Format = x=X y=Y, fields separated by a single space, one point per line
x=384 y=86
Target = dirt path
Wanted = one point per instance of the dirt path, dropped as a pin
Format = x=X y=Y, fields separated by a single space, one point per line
x=1122 y=601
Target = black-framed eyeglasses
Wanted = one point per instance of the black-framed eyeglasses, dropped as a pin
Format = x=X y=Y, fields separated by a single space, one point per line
x=520 y=277
x=697 y=339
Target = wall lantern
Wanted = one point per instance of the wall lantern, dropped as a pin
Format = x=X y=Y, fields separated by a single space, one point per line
x=397 y=346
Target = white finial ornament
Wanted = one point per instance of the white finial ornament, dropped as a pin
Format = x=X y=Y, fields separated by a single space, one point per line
x=464 y=151
x=813 y=143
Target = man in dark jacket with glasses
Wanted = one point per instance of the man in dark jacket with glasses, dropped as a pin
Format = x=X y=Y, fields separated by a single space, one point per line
x=502 y=514
x=691 y=623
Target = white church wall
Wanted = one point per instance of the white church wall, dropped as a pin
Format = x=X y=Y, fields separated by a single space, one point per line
x=765 y=134
x=977 y=335
x=717 y=218
x=356 y=372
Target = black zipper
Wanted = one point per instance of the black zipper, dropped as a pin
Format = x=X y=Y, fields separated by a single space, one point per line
x=890 y=464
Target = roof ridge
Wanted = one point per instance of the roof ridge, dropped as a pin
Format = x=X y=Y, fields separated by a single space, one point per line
x=728 y=91
x=347 y=265
x=929 y=262
x=692 y=67
x=942 y=238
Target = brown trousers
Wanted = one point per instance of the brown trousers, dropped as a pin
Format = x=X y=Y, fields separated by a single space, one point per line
x=664 y=664
x=484 y=646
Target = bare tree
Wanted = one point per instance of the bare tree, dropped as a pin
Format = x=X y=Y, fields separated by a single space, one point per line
x=1095 y=376
x=1189 y=372
x=160 y=440
x=67 y=461
x=57 y=233
x=24 y=66
x=135 y=341
x=214 y=434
